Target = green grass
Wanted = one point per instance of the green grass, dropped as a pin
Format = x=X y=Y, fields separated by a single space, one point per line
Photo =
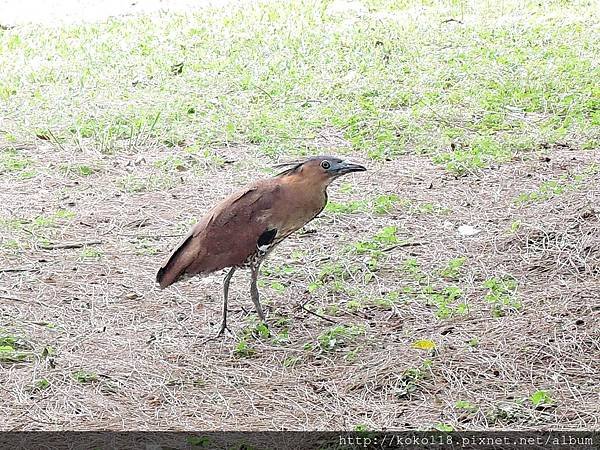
x=275 y=75
x=552 y=188
x=14 y=349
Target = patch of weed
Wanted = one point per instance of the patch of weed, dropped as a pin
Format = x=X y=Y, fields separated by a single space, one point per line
x=90 y=253
x=480 y=154
x=451 y=270
x=78 y=170
x=146 y=247
x=445 y=427
x=502 y=295
x=339 y=336
x=541 y=398
x=446 y=301
x=85 y=376
x=11 y=161
x=552 y=188
x=409 y=381
x=39 y=385
x=465 y=405
x=345 y=208
x=14 y=349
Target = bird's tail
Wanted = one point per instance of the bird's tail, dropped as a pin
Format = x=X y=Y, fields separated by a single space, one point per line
x=160 y=277
x=175 y=265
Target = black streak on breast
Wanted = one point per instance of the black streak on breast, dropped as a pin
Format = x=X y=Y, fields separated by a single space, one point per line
x=266 y=238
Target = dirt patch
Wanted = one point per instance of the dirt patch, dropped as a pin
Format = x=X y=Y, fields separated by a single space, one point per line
x=117 y=353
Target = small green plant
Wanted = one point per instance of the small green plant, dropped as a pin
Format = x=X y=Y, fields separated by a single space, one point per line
x=39 y=385
x=408 y=382
x=387 y=236
x=262 y=330
x=171 y=164
x=515 y=226
x=314 y=286
x=354 y=305
x=452 y=269
x=64 y=214
x=291 y=361
x=366 y=247
x=78 y=170
x=413 y=268
x=345 y=208
x=502 y=295
x=255 y=328
x=481 y=153
x=146 y=247
x=9 y=354
x=44 y=222
x=243 y=349
x=465 y=406
x=333 y=275
x=12 y=161
x=352 y=355
x=473 y=342
x=297 y=255
x=428 y=208
x=84 y=376
x=276 y=270
x=541 y=398
x=387 y=301
x=14 y=349
x=446 y=301
x=383 y=204
x=346 y=187
x=338 y=336
x=441 y=426
x=278 y=287
x=90 y=253
x=547 y=190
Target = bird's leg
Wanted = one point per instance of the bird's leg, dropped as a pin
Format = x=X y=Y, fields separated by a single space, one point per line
x=254 y=293
x=225 y=296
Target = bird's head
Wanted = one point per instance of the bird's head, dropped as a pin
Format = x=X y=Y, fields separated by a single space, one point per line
x=323 y=169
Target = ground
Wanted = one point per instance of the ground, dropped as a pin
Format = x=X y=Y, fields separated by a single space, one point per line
x=455 y=285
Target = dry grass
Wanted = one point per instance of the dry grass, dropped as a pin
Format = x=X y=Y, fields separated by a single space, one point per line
x=115 y=137
x=102 y=314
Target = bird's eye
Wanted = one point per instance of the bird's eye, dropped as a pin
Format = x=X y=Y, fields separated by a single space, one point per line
x=325 y=164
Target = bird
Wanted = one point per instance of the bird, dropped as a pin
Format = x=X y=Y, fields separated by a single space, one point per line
x=243 y=229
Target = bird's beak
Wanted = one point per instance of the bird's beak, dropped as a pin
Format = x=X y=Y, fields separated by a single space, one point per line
x=347 y=167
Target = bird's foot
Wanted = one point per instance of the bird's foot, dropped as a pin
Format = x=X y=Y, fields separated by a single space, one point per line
x=219 y=334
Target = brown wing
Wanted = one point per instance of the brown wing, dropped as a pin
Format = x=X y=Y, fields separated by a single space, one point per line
x=226 y=236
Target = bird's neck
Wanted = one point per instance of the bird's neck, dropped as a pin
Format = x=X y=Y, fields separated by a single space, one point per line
x=310 y=185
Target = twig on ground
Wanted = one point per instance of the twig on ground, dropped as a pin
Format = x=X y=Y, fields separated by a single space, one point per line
x=303 y=306
x=69 y=245
x=19 y=269
x=404 y=244
x=452 y=20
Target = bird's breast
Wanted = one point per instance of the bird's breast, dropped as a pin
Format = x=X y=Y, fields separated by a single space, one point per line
x=296 y=213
